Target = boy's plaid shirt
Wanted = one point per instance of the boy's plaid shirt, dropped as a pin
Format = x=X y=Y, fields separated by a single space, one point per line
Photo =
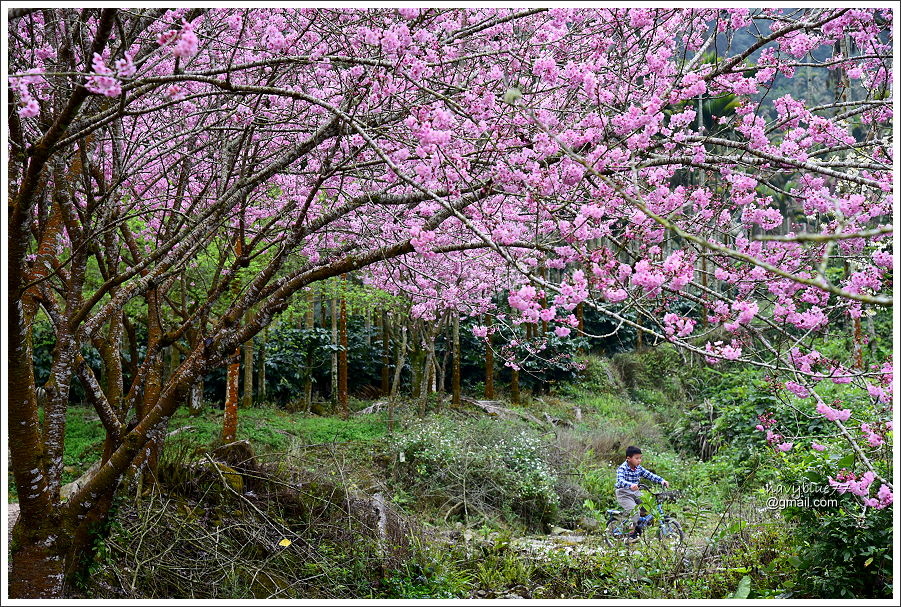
x=626 y=476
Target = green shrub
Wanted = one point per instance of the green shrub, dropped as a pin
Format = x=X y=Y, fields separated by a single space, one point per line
x=843 y=557
x=597 y=378
x=477 y=468
x=429 y=572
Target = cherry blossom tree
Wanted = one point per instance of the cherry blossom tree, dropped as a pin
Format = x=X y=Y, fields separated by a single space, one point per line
x=568 y=156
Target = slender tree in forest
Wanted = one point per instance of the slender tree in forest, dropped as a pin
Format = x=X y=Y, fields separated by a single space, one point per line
x=342 y=353
x=455 y=377
x=336 y=345
x=309 y=325
x=489 y=360
x=261 y=363
x=386 y=354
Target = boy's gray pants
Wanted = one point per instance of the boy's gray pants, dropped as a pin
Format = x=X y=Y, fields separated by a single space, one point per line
x=628 y=501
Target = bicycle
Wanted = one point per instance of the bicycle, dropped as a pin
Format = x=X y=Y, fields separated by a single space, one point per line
x=618 y=527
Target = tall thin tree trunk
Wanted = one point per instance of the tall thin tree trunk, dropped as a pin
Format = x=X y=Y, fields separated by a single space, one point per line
x=455 y=377
x=386 y=356
x=334 y=311
x=247 y=400
x=195 y=405
x=153 y=383
x=310 y=325
x=195 y=400
x=401 y=359
x=514 y=385
x=230 y=418
x=441 y=379
x=580 y=316
x=342 y=358
x=428 y=371
x=489 y=362
x=261 y=364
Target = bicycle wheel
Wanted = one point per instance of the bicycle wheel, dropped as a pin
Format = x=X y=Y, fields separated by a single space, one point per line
x=670 y=532
x=617 y=532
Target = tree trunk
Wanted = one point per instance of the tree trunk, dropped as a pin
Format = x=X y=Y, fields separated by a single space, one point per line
x=111 y=353
x=230 y=422
x=153 y=384
x=401 y=359
x=455 y=378
x=38 y=570
x=386 y=356
x=441 y=379
x=196 y=403
x=334 y=310
x=342 y=358
x=195 y=400
x=514 y=385
x=37 y=566
x=580 y=316
x=367 y=326
x=247 y=400
x=489 y=363
x=309 y=325
x=261 y=365
x=428 y=371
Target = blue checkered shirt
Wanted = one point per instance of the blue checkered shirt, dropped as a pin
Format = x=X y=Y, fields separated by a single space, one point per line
x=626 y=476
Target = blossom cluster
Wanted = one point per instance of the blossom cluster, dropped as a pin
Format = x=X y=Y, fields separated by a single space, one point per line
x=847 y=482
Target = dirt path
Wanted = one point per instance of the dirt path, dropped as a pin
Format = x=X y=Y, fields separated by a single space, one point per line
x=12 y=516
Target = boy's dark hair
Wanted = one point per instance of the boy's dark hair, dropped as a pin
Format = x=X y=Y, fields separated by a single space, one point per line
x=632 y=450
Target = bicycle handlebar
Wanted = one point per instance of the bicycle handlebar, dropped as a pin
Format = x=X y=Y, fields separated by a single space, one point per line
x=666 y=496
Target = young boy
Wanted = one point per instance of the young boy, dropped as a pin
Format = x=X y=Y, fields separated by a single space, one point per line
x=627 y=478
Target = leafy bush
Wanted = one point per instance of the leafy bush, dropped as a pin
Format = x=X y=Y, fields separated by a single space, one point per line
x=843 y=557
x=477 y=469
x=842 y=551
x=598 y=377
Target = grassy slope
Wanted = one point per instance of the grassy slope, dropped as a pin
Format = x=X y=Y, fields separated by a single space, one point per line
x=626 y=401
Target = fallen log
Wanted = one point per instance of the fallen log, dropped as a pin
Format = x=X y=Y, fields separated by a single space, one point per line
x=373 y=408
x=494 y=408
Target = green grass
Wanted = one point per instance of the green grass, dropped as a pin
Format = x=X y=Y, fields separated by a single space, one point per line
x=275 y=429
x=268 y=429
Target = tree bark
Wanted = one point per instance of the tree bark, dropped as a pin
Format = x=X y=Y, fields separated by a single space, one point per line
x=401 y=359
x=514 y=386
x=455 y=377
x=342 y=358
x=261 y=364
x=427 y=372
x=39 y=549
x=310 y=320
x=230 y=419
x=386 y=356
x=335 y=344
x=489 y=362
x=247 y=400
x=153 y=383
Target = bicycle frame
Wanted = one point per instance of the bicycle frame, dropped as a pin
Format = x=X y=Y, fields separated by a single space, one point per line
x=644 y=521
